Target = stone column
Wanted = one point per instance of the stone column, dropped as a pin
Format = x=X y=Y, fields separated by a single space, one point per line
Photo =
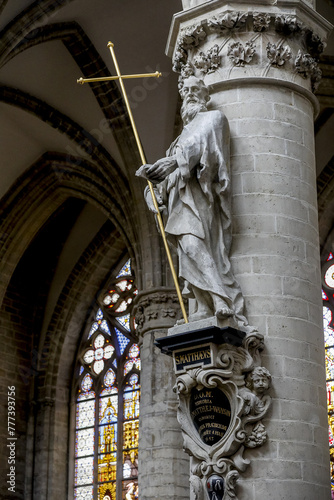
x=164 y=467
x=260 y=62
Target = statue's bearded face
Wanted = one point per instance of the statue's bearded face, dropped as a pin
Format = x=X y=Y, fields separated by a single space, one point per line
x=195 y=95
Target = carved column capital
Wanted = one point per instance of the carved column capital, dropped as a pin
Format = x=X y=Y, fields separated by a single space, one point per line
x=156 y=309
x=249 y=41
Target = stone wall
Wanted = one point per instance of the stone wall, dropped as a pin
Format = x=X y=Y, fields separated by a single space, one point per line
x=276 y=258
x=275 y=251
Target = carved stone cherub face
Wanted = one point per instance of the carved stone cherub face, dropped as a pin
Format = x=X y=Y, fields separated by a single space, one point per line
x=259 y=380
x=260 y=384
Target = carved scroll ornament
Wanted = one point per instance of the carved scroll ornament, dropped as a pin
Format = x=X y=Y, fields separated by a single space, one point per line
x=220 y=412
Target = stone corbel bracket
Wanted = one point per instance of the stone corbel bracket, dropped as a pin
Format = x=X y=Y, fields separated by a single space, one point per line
x=221 y=392
x=281 y=41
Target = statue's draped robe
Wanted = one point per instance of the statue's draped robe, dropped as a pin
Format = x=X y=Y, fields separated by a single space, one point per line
x=199 y=216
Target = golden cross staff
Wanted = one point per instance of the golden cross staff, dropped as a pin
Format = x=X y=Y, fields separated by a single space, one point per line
x=120 y=78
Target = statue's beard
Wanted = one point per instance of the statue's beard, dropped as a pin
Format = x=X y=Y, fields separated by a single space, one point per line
x=190 y=110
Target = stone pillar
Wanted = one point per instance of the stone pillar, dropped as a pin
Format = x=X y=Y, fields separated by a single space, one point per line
x=164 y=467
x=260 y=62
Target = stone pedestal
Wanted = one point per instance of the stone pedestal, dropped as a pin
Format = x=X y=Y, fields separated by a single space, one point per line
x=221 y=409
x=260 y=62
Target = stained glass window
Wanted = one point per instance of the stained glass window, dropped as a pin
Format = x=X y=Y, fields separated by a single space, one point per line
x=107 y=398
x=328 y=309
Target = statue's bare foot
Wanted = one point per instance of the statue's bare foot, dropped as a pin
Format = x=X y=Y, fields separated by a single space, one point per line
x=224 y=312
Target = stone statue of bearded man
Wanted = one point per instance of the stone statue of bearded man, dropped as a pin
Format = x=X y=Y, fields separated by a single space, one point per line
x=193 y=182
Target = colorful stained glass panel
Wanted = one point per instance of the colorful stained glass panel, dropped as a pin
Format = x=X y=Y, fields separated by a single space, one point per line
x=108 y=351
x=130 y=434
x=83 y=396
x=98 y=366
x=107 y=491
x=85 y=414
x=329 y=277
x=109 y=391
x=330 y=393
x=134 y=351
x=134 y=382
x=122 y=340
x=131 y=405
x=122 y=307
x=99 y=341
x=108 y=438
x=126 y=269
x=83 y=471
x=109 y=378
x=99 y=353
x=132 y=363
x=108 y=409
x=105 y=327
x=83 y=493
x=328 y=331
x=84 y=442
x=330 y=363
x=86 y=383
x=88 y=357
x=124 y=285
x=125 y=321
x=330 y=436
x=130 y=489
x=98 y=440
x=130 y=464
x=107 y=467
x=93 y=329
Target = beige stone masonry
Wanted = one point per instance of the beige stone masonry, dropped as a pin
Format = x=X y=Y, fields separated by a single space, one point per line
x=260 y=62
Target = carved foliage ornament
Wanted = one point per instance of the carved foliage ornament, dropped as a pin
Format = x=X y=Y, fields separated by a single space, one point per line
x=261 y=21
x=190 y=37
x=314 y=45
x=240 y=54
x=221 y=411
x=228 y=21
x=287 y=25
x=231 y=23
x=209 y=61
x=278 y=55
x=306 y=66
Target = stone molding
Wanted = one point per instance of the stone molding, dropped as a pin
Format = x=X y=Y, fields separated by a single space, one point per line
x=156 y=309
x=231 y=373
x=254 y=80
x=225 y=44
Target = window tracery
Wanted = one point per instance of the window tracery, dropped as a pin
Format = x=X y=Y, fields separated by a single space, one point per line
x=107 y=398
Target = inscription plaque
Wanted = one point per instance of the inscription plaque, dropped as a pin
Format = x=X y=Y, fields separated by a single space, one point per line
x=210 y=411
x=200 y=355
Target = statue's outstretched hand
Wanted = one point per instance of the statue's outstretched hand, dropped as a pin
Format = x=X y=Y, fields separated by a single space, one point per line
x=159 y=170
